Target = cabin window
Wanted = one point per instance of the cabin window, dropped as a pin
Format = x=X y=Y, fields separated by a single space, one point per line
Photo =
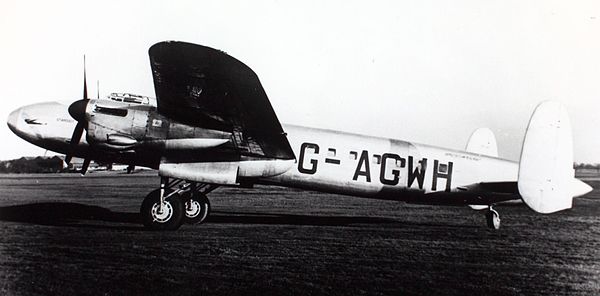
x=353 y=155
x=377 y=159
x=111 y=111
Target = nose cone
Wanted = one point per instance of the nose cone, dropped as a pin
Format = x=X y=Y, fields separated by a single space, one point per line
x=77 y=110
x=13 y=120
x=580 y=188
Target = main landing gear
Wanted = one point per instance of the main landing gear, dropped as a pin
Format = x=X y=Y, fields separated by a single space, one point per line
x=175 y=203
x=492 y=218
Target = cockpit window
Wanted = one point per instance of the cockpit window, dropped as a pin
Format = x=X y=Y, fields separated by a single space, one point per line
x=130 y=98
x=111 y=111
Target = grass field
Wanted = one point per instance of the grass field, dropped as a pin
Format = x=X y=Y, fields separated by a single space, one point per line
x=72 y=235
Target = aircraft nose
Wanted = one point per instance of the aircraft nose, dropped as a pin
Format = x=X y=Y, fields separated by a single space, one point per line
x=580 y=188
x=13 y=120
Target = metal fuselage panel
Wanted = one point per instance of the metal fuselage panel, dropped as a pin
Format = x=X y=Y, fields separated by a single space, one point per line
x=376 y=167
x=140 y=122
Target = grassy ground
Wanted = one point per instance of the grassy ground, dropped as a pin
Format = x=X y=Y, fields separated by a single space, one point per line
x=65 y=234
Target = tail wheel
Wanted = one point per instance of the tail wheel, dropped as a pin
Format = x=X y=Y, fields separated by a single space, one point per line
x=197 y=209
x=493 y=219
x=169 y=216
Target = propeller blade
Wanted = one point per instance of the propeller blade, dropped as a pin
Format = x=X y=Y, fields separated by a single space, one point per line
x=75 y=138
x=85 y=96
x=77 y=111
x=77 y=132
x=84 y=167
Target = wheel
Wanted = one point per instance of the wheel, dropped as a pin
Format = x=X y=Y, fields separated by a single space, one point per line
x=171 y=216
x=197 y=208
x=493 y=219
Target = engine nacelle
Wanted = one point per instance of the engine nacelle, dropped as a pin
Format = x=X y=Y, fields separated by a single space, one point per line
x=225 y=173
x=118 y=126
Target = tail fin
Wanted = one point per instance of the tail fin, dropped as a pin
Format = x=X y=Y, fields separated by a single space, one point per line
x=546 y=168
x=483 y=141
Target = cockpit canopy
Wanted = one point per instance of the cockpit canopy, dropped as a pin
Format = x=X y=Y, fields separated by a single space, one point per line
x=132 y=99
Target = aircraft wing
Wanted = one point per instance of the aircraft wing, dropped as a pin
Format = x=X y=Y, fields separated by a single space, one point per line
x=204 y=87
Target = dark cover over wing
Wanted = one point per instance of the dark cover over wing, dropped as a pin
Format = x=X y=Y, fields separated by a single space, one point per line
x=205 y=87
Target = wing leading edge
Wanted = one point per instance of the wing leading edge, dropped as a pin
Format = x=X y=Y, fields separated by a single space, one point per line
x=205 y=87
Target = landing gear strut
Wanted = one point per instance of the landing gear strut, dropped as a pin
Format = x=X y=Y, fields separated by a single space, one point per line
x=492 y=218
x=175 y=203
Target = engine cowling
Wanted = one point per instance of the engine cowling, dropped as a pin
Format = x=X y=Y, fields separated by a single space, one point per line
x=117 y=126
x=113 y=126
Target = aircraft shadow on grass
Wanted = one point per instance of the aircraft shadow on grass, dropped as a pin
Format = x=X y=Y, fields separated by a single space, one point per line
x=80 y=215
x=66 y=214
x=293 y=219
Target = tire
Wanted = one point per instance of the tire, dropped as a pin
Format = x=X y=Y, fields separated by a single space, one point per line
x=170 y=219
x=196 y=209
x=493 y=219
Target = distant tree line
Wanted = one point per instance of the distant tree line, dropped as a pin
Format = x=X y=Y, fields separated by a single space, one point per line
x=579 y=166
x=32 y=165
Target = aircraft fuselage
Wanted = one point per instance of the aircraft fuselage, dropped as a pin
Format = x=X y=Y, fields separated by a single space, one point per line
x=383 y=168
x=326 y=160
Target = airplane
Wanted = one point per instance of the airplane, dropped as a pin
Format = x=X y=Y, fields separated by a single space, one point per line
x=213 y=125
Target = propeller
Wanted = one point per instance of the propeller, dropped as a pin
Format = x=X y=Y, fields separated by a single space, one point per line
x=77 y=111
x=84 y=167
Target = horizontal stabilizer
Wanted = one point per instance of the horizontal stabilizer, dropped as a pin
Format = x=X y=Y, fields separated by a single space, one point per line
x=483 y=141
x=546 y=167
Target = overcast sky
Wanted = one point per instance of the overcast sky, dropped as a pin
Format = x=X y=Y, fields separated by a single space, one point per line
x=424 y=71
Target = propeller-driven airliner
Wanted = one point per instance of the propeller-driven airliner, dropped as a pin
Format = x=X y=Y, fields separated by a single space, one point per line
x=212 y=125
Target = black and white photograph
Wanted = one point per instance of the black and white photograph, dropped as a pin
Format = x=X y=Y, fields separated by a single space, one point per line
x=300 y=147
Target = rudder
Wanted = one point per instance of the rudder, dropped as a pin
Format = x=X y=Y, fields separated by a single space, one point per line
x=546 y=165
